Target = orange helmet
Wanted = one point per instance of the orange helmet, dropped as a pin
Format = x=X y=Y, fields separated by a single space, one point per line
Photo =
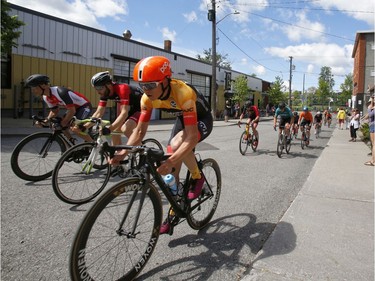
x=152 y=69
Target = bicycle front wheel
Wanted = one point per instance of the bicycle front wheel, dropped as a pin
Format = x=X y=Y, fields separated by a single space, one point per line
x=303 y=137
x=203 y=208
x=118 y=234
x=34 y=157
x=280 y=145
x=152 y=143
x=81 y=174
x=254 y=142
x=244 y=143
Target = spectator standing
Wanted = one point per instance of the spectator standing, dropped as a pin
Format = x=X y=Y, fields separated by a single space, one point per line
x=227 y=110
x=341 y=115
x=354 y=124
x=237 y=110
x=371 y=122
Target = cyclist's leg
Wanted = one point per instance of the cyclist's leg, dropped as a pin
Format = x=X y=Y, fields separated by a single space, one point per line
x=254 y=126
x=130 y=124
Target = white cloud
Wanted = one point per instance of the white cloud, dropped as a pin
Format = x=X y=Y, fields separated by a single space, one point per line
x=360 y=9
x=82 y=12
x=168 y=34
x=310 y=30
x=318 y=54
x=259 y=70
x=191 y=17
x=310 y=68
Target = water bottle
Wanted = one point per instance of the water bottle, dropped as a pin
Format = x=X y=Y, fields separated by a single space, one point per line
x=171 y=182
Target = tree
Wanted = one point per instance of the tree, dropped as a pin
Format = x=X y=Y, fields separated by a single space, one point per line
x=275 y=93
x=240 y=88
x=9 y=25
x=325 y=85
x=346 y=90
x=310 y=96
x=221 y=60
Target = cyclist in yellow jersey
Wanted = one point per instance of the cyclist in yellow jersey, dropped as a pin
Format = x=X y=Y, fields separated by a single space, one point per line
x=193 y=120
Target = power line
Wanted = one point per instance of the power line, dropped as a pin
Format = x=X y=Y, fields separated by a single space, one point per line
x=239 y=48
x=302 y=27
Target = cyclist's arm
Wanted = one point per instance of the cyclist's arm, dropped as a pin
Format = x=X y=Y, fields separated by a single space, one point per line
x=70 y=112
x=124 y=109
x=138 y=133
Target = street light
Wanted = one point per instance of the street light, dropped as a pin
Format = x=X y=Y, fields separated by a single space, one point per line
x=212 y=17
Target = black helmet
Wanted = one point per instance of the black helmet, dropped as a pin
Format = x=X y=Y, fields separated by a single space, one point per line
x=295 y=113
x=248 y=104
x=305 y=108
x=36 y=80
x=101 y=78
x=282 y=105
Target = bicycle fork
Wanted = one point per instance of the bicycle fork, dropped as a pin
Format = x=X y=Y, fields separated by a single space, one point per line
x=132 y=234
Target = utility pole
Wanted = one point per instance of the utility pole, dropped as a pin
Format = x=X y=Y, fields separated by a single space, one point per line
x=290 y=82
x=212 y=18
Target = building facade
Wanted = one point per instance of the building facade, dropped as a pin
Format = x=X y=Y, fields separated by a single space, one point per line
x=364 y=69
x=70 y=54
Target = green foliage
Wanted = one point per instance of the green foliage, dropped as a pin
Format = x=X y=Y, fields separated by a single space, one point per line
x=240 y=88
x=9 y=25
x=365 y=130
x=221 y=60
x=325 y=85
x=275 y=93
x=346 y=90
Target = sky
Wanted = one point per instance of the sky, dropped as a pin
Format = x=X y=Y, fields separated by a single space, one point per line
x=263 y=38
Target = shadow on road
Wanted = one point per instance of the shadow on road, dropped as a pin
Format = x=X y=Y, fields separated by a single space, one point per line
x=222 y=242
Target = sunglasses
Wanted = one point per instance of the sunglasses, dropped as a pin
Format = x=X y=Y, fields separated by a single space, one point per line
x=149 y=85
x=99 y=88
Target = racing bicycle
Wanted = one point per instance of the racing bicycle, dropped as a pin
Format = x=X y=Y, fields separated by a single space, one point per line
x=304 y=139
x=247 y=139
x=35 y=156
x=119 y=233
x=283 y=142
x=82 y=172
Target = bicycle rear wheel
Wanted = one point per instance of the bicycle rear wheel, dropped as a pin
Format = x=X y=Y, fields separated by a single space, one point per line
x=34 y=157
x=106 y=246
x=203 y=208
x=280 y=145
x=244 y=143
x=75 y=180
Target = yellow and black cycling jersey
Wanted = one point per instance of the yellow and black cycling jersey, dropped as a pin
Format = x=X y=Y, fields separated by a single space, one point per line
x=182 y=99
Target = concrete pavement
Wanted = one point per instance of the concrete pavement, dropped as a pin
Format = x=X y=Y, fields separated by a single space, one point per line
x=328 y=231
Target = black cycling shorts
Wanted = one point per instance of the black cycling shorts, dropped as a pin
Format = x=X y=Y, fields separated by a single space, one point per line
x=205 y=124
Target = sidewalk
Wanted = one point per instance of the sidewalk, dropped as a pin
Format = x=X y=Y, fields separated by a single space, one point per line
x=328 y=231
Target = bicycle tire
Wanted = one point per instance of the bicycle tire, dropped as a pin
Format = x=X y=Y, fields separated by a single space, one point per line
x=288 y=145
x=243 y=143
x=103 y=251
x=26 y=162
x=254 y=143
x=152 y=143
x=202 y=209
x=70 y=180
x=280 y=145
x=303 y=140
